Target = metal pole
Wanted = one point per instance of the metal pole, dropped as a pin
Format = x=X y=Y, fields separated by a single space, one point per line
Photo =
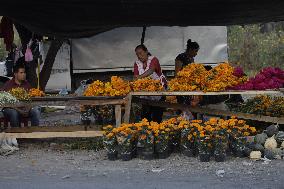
x=143 y=35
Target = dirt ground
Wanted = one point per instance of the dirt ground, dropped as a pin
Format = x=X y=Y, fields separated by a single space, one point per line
x=35 y=166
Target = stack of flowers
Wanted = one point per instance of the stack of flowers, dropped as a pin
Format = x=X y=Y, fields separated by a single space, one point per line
x=191 y=78
x=7 y=98
x=146 y=84
x=97 y=88
x=195 y=77
x=20 y=94
x=116 y=87
x=268 y=78
x=222 y=77
x=36 y=93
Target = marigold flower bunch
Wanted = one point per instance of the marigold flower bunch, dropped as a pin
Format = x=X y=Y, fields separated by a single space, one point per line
x=97 y=88
x=190 y=78
x=146 y=84
x=195 y=77
x=20 y=93
x=222 y=77
x=36 y=93
x=116 y=87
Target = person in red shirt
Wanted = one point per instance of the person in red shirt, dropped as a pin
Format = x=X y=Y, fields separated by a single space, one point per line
x=149 y=66
x=19 y=80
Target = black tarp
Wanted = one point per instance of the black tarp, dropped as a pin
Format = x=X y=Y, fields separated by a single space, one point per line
x=80 y=18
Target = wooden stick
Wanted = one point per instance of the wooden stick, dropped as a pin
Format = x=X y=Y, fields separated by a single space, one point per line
x=38 y=72
x=128 y=108
x=118 y=115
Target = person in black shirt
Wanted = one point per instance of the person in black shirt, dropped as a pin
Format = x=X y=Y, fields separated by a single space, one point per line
x=187 y=57
x=181 y=61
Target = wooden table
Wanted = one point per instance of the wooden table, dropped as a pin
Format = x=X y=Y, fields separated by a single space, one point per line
x=133 y=97
x=118 y=102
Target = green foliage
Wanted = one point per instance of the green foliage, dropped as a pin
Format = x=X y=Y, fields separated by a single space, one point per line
x=253 y=50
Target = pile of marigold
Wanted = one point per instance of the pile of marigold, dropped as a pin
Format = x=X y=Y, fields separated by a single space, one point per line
x=116 y=87
x=146 y=84
x=36 y=93
x=190 y=78
x=195 y=77
x=20 y=93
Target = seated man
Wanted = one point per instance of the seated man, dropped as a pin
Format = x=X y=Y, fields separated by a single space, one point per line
x=19 y=80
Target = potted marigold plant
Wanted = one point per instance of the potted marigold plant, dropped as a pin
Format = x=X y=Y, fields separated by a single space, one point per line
x=189 y=141
x=162 y=142
x=110 y=142
x=126 y=142
x=238 y=131
x=145 y=143
x=205 y=147
x=174 y=137
x=220 y=145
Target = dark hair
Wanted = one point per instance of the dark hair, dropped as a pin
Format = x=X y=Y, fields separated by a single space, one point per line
x=19 y=64
x=143 y=47
x=191 y=45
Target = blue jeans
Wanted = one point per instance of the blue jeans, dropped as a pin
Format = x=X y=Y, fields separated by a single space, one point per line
x=14 y=116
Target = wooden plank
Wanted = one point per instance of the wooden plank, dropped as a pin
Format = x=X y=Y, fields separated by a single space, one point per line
x=118 y=115
x=52 y=98
x=75 y=134
x=97 y=102
x=189 y=93
x=203 y=110
x=98 y=97
x=128 y=108
x=68 y=128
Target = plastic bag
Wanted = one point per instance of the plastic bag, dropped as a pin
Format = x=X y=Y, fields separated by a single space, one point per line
x=28 y=55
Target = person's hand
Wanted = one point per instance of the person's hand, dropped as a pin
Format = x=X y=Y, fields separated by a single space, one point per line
x=195 y=101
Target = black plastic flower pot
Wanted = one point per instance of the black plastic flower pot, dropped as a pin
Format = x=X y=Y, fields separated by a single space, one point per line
x=126 y=156
x=188 y=153
x=112 y=156
x=204 y=157
x=147 y=156
x=220 y=157
x=139 y=151
x=239 y=153
x=163 y=155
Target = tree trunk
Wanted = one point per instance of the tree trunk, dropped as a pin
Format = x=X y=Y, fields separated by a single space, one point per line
x=49 y=61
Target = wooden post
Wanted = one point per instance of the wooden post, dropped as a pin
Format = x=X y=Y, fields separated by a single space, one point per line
x=118 y=115
x=73 y=87
x=143 y=35
x=128 y=108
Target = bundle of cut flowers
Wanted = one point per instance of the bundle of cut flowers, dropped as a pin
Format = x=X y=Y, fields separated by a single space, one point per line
x=7 y=98
x=268 y=78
